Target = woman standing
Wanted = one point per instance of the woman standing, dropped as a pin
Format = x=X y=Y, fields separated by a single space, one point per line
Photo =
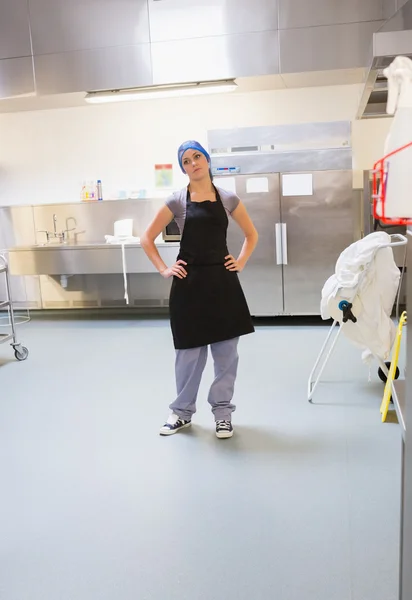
x=207 y=304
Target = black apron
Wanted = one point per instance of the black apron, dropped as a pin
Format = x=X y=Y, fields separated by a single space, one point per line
x=208 y=306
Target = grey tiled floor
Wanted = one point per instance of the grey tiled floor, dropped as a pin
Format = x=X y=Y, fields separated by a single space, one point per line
x=302 y=504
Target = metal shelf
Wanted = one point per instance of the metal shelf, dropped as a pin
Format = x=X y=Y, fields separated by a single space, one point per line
x=20 y=352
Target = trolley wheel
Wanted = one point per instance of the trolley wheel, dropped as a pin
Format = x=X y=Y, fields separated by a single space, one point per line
x=382 y=375
x=21 y=354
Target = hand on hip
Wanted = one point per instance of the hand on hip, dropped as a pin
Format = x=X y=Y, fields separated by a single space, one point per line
x=177 y=270
x=232 y=264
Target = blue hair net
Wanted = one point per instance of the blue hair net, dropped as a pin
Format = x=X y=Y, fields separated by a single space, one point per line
x=191 y=145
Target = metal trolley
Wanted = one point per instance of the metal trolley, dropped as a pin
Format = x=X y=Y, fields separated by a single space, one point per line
x=20 y=352
x=345 y=306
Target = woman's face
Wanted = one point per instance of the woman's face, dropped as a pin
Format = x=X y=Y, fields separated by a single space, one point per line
x=195 y=164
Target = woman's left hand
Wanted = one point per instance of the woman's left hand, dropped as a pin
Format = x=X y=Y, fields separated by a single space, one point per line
x=232 y=264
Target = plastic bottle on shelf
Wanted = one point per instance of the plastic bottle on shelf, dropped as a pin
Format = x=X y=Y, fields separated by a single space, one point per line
x=83 y=193
x=99 y=190
x=92 y=191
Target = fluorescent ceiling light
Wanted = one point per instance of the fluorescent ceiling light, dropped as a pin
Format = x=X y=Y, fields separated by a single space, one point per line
x=163 y=91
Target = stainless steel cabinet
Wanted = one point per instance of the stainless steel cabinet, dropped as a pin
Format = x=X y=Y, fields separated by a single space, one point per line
x=178 y=20
x=389 y=8
x=262 y=280
x=64 y=26
x=86 y=45
x=405 y=592
x=310 y=13
x=88 y=70
x=300 y=238
x=17 y=226
x=237 y=55
x=326 y=47
x=25 y=292
x=16 y=76
x=14 y=29
x=316 y=229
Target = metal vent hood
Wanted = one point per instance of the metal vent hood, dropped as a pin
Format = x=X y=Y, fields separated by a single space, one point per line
x=393 y=39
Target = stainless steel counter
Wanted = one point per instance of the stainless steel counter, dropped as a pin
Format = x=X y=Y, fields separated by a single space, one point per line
x=84 y=245
x=40 y=272
x=85 y=258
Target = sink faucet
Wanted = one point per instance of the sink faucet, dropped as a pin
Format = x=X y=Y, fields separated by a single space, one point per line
x=60 y=235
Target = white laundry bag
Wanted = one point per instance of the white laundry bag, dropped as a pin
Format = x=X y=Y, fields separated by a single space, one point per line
x=368 y=278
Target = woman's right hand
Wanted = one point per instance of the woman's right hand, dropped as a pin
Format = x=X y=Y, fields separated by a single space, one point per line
x=177 y=270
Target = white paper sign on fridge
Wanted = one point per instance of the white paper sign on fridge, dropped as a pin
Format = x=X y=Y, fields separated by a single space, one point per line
x=227 y=183
x=297 y=184
x=257 y=185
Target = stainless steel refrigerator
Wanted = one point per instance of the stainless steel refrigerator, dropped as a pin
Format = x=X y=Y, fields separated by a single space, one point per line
x=302 y=230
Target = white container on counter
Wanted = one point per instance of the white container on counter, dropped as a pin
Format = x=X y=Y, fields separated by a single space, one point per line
x=123 y=228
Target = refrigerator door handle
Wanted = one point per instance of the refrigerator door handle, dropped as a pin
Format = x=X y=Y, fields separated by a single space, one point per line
x=278 y=239
x=284 y=244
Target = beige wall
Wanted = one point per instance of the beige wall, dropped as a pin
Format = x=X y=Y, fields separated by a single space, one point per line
x=368 y=138
x=45 y=155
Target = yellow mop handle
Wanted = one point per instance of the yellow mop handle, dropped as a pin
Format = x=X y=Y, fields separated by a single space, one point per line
x=392 y=370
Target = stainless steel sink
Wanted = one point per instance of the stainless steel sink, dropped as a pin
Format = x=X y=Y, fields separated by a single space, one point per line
x=50 y=245
x=84 y=258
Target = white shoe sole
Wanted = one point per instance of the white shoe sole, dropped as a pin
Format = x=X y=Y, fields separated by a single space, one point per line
x=224 y=435
x=173 y=431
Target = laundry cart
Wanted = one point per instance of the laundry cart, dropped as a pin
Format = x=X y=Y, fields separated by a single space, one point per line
x=352 y=302
x=20 y=352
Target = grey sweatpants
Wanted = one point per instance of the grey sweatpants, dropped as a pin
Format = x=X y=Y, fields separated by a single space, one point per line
x=190 y=365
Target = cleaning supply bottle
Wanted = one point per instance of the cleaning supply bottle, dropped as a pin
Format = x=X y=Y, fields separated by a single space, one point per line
x=92 y=191
x=99 y=190
x=83 y=193
x=398 y=202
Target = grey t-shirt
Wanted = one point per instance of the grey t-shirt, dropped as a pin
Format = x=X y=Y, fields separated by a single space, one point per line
x=177 y=204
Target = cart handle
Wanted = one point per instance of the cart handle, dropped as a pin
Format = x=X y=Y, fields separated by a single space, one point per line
x=402 y=239
x=402 y=242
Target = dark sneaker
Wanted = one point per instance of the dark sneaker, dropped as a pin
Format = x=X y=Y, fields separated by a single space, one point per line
x=224 y=429
x=173 y=425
